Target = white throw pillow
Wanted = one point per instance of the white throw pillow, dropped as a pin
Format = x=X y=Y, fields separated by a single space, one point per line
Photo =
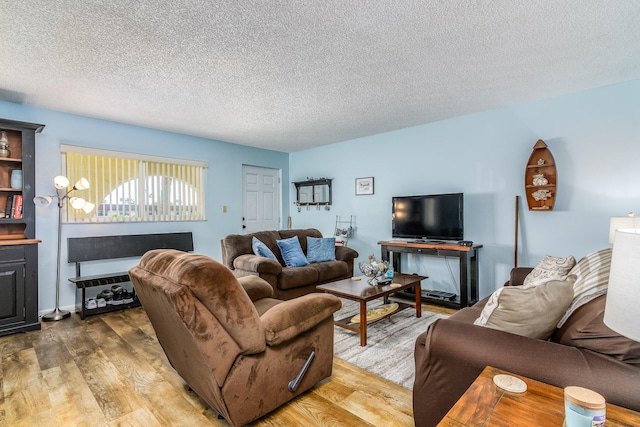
x=550 y=268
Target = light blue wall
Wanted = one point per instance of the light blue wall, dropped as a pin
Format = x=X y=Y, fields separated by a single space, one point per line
x=594 y=137
x=224 y=187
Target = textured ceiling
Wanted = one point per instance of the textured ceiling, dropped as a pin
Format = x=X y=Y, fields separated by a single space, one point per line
x=290 y=75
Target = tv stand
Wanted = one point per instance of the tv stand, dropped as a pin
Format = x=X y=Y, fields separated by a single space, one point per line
x=468 y=256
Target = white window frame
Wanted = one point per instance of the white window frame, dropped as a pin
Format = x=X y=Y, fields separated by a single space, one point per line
x=173 y=188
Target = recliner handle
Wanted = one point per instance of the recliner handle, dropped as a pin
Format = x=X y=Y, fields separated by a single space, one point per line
x=295 y=383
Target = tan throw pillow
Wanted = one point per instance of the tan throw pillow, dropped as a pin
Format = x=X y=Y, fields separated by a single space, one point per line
x=550 y=268
x=531 y=312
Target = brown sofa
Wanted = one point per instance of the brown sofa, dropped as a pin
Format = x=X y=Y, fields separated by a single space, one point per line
x=287 y=283
x=239 y=349
x=453 y=352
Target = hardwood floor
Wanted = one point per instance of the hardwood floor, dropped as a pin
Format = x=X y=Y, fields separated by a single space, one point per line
x=109 y=370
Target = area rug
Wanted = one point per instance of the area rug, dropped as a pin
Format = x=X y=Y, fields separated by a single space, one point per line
x=390 y=342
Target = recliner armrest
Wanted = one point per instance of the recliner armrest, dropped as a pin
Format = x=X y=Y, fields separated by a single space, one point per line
x=257 y=264
x=293 y=317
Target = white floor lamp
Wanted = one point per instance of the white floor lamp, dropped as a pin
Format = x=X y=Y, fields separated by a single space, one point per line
x=62 y=193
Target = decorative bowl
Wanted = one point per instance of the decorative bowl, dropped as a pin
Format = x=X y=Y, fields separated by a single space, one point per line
x=374 y=270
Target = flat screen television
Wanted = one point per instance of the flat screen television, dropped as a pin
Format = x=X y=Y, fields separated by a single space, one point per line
x=428 y=217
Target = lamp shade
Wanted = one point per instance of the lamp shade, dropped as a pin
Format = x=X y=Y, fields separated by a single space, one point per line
x=88 y=207
x=61 y=182
x=42 y=201
x=82 y=184
x=623 y=295
x=620 y=222
x=77 y=202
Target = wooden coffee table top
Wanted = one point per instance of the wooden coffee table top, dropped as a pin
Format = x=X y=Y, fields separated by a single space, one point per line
x=360 y=290
x=485 y=404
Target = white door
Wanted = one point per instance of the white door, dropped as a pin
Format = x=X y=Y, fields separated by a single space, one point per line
x=261 y=198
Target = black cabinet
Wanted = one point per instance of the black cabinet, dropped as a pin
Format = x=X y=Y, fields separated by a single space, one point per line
x=12 y=290
x=18 y=245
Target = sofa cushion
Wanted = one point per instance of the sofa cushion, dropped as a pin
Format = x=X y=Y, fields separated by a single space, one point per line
x=586 y=329
x=329 y=270
x=550 y=268
x=321 y=249
x=261 y=249
x=528 y=311
x=292 y=252
x=296 y=277
x=592 y=272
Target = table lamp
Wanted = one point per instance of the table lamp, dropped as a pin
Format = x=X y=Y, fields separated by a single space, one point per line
x=618 y=222
x=623 y=295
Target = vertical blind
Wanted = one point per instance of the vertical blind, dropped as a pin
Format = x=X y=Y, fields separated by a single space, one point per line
x=129 y=187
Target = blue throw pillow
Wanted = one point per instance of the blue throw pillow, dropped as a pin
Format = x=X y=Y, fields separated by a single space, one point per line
x=261 y=249
x=292 y=252
x=321 y=249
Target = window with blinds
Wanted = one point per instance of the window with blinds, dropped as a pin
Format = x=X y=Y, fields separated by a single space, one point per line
x=129 y=187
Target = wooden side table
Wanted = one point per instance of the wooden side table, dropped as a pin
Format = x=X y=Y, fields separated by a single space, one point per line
x=485 y=404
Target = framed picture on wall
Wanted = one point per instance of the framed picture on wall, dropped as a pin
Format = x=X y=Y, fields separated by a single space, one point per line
x=364 y=186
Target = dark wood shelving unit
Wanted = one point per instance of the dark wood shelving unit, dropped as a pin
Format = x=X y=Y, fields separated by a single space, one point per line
x=18 y=245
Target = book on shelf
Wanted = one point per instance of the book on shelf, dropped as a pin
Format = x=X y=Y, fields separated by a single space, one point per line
x=13 y=207
x=7 y=207
x=17 y=210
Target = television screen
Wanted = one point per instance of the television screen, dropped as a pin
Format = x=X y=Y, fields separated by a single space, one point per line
x=428 y=217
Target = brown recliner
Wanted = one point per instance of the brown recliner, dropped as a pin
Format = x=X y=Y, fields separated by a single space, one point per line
x=241 y=351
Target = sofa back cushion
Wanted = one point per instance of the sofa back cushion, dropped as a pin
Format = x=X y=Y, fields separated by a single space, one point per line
x=215 y=287
x=200 y=313
x=235 y=245
x=586 y=329
x=301 y=234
